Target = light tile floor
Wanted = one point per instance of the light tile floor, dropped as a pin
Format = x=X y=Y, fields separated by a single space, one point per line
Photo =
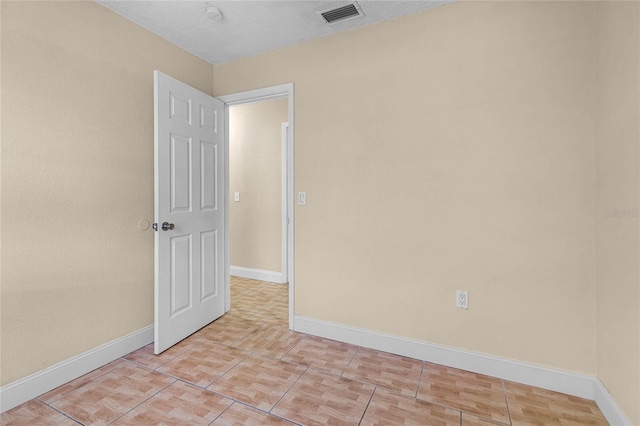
x=248 y=368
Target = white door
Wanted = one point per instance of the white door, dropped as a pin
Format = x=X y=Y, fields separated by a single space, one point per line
x=189 y=210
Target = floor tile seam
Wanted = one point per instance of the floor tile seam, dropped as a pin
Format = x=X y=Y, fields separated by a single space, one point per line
x=352 y=358
x=294 y=346
x=90 y=382
x=222 y=412
x=142 y=402
x=463 y=411
x=79 y=387
x=230 y=345
x=232 y=398
x=154 y=370
x=226 y=371
x=195 y=384
x=204 y=388
x=136 y=364
x=437 y=404
x=269 y=413
x=322 y=370
x=393 y=375
x=287 y=391
x=376 y=385
x=256 y=352
x=141 y=364
x=186 y=382
x=420 y=381
x=237 y=341
x=368 y=403
x=506 y=401
x=63 y=413
x=262 y=353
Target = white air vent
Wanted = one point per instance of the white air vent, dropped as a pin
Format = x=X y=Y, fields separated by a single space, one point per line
x=343 y=13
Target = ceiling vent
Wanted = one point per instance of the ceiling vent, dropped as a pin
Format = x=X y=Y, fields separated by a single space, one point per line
x=343 y=13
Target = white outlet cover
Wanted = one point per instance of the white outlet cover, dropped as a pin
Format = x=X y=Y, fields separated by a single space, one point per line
x=462 y=299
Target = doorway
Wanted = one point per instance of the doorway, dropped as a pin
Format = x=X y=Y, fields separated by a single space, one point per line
x=257 y=208
x=286 y=260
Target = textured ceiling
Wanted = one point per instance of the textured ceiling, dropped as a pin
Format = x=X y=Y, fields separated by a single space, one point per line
x=251 y=27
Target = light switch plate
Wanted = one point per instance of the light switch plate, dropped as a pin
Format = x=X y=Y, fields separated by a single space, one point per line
x=302 y=198
x=236 y=196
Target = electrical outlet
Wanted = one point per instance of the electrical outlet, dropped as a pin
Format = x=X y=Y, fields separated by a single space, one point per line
x=462 y=299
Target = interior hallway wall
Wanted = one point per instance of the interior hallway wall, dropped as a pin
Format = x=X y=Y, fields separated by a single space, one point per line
x=255 y=170
x=77 y=177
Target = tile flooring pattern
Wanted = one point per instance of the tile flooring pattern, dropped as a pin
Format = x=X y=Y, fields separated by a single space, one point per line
x=248 y=368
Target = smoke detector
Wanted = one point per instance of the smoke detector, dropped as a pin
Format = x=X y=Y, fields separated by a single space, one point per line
x=341 y=14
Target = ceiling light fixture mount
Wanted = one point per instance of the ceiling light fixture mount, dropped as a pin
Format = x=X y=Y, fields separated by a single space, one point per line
x=214 y=13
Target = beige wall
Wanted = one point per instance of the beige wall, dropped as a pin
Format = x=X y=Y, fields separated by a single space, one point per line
x=255 y=170
x=618 y=191
x=77 y=176
x=451 y=149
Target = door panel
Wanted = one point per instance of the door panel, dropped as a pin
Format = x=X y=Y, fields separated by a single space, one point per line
x=209 y=162
x=189 y=179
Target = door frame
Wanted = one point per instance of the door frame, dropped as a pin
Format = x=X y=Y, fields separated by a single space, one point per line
x=251 y=96
x=286 y=172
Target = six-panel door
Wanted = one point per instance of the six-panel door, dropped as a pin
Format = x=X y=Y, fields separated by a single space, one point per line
x=189 y=193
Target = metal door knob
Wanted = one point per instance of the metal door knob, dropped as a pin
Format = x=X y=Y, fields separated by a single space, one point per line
x=166 y=226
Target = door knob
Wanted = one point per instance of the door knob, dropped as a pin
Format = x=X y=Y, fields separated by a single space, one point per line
x=166 y=226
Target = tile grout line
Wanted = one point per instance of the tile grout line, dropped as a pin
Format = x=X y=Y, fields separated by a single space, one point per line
x=420 y=379
x=350 y=361
x=79 y=387
x=269 y=413
x=102 y=375
x=292 y=348
x=142 y=402
x=222 y=375
x=223 y=411
x=506 y=401
x=63 y=413
x=287 y=391
x=375 y=388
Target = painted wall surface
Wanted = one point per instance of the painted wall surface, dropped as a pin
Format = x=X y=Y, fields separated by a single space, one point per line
x=77 y=177
x=451 y=149
x=618 y=191
x=255 y=170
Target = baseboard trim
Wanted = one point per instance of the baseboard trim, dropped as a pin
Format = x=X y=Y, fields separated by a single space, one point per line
x=579 y=385
x=257 y=274
x=34 y=385
x=609 y=407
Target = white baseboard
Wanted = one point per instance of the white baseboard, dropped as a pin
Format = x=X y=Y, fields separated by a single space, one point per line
x=583 y=386
x=257 y=274
x=34 y=385
x=612 y=412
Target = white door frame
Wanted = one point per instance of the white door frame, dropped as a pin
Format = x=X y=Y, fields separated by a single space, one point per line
x=267 y=93
x=285 y=201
